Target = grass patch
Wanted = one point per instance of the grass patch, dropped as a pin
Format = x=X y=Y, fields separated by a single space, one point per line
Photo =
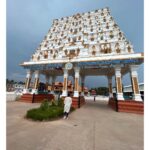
x=47 y=111
x=48 y=114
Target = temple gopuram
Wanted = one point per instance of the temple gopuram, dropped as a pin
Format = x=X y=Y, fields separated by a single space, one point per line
x=86 y=44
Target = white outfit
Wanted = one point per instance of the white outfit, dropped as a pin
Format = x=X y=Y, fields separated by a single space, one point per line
x=67 y=102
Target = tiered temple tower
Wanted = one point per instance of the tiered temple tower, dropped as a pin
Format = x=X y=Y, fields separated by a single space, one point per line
x=87 y=44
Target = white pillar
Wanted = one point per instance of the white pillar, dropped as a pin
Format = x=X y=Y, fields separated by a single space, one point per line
x=82 y=84
x=53 y=78
x=110 y=86
x=134 y=80
x=36 y=82
x=118 y=83
x=65 y=86
x=27 y=82
x=47 y=77
x=76 y=84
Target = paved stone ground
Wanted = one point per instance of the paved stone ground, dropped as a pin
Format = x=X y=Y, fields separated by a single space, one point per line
x=93 y=127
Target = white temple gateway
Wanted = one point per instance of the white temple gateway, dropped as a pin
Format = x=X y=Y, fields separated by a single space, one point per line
x=87 y=44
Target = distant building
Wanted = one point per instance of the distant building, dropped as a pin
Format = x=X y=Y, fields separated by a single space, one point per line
x=18 y=87
x=15 y=87
x=86 y=90
x=93 y=92
x=128 y=90
x=57 y=87
x=9 y=87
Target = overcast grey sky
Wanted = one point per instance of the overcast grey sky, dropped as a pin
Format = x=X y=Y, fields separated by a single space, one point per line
x=28 y=22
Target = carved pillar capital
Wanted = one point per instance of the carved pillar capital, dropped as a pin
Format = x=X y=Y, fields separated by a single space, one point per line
x=77 y=71
x=65 y=72
x=29 y=74
x=133 y=70
x=118 y=70
x=36 y=74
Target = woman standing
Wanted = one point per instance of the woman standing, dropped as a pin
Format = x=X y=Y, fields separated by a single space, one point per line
x=67 y=106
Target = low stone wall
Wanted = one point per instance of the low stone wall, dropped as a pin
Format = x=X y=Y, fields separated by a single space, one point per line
x=113 y=104
x=11 y=96
x=78 y=102
x=97 y=98
x=35 y=98
x=129 y=106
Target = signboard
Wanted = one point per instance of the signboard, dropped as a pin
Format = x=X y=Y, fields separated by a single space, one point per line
x=69 y=65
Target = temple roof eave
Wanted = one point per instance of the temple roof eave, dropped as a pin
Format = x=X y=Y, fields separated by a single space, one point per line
x=87 y=59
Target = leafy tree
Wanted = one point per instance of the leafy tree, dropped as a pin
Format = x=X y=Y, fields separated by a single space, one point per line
x=13 y=82
x=100 y=90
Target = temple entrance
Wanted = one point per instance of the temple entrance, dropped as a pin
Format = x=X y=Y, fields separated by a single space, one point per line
x=87 y=44
x=98 y=104
x=76 y=86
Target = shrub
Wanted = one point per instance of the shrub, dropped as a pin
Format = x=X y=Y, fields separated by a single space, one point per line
x=60 y=102
x=53 y=103
x=45 y=105
x=46 y=114
x=47 y=110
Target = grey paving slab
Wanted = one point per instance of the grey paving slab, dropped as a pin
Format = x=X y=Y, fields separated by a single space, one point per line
x=95 y=126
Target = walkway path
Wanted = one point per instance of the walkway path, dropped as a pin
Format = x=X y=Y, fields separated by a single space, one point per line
x=93 y=127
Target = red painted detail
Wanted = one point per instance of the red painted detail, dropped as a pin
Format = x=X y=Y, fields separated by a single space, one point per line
x=38 y=98
x=129 y=106
x=75 y=102
x=26 y=98
x=112 y=103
